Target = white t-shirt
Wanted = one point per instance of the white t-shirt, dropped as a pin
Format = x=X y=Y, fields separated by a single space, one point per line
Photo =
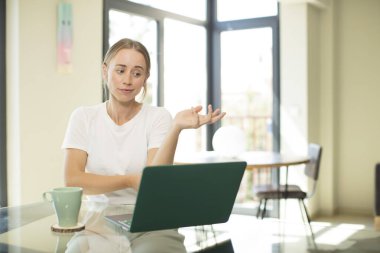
x=113 y=149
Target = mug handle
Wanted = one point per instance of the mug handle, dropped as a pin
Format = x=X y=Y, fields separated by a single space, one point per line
x=46 y=197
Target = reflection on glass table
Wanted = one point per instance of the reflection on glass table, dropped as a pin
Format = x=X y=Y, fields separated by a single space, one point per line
x=260 y=165
x=28 y=229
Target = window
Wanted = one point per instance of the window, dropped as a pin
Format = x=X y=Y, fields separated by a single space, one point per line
x=249 y=77
x=247 y=81
x=177 y=46
x=218 y=52
x=185 y=76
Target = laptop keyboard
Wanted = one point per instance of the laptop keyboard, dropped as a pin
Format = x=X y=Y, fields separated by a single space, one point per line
x=126 y=222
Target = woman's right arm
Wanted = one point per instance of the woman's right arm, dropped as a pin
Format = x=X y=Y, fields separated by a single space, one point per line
x=75 y=175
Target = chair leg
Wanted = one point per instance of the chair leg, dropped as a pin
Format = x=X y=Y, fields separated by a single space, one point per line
x=264 y=209
x=308 y=222
x=307 y=216
x=284 y=207
x=302 y=211
x=259 y=209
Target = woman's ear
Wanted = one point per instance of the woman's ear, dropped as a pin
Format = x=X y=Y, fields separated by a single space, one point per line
x=146 y=78
x=104 y=72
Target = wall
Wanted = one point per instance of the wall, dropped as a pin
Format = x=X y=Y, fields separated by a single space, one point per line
x=293 y=65
x=326 y=196
x=300 y=91
x=332 y=56
x=358 y=103
x=39 y=99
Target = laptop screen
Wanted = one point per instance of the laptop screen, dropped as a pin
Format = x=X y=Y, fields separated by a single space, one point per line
x=173 y=196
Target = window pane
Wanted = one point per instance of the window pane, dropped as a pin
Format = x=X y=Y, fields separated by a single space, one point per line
x=247 y=81
x=144 y=30
x=185 y=76
x=189 y=8
x=243 y=9
x=247 y=93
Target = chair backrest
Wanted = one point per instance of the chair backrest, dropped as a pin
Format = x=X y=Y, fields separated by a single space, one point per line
x=312 y=167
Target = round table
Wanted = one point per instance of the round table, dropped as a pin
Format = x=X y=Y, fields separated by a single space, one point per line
x=254 y=159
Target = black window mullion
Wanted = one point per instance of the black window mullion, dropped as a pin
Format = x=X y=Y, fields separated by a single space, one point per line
x=276 y=107
x=213 y=67
x=276 y=87
x=106 y=9
x=3 y=136
x=161 y=63
x=247 y=23
x=106 y=31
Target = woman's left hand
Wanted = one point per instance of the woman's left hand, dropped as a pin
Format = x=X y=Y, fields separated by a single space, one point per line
x=191 y=118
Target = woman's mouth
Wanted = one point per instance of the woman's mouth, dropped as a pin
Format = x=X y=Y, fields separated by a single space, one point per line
x=125 y=91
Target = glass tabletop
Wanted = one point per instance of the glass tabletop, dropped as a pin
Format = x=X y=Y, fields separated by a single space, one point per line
x=254 y=159
x=28 y=229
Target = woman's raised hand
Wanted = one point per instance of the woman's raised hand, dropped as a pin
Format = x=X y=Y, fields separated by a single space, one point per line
x=191 y=118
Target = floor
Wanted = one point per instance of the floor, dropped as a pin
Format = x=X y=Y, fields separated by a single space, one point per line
x=243 y=234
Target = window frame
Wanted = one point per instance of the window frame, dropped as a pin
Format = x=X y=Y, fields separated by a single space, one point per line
x=3 y=135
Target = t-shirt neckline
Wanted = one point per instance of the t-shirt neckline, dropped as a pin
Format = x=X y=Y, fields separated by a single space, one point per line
x=126 y=124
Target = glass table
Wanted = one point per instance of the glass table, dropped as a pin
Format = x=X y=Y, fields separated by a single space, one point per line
x=255 y=159
x=28 y=229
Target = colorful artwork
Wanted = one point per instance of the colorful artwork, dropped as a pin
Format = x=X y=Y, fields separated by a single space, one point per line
x=65 y=38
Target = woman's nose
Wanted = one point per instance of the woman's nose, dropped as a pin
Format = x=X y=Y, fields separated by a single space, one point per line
x=127 y=78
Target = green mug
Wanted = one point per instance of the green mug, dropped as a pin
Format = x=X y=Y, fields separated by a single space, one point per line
x=67 y=202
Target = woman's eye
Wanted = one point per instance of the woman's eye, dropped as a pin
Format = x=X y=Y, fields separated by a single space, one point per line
x=136 y=73
x=120 y=71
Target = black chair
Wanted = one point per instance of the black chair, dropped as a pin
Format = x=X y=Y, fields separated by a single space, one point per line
x=377 y=196
x=290 y=191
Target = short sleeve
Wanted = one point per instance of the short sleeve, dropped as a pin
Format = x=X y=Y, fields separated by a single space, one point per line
x=161 y=124
x=77 y=131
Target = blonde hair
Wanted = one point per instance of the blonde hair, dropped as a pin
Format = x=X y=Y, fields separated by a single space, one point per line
x=127 y=44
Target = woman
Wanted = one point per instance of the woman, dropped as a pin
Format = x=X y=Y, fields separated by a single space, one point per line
x=108 y=145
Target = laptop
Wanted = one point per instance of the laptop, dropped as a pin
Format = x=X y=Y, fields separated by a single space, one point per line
x=174 y=196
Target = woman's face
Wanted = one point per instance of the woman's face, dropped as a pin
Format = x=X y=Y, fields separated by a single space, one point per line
x=125 y=75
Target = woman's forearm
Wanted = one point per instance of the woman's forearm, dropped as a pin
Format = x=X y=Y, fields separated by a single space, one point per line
x=75 y=175
x=165 y=154
x=100 y=184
